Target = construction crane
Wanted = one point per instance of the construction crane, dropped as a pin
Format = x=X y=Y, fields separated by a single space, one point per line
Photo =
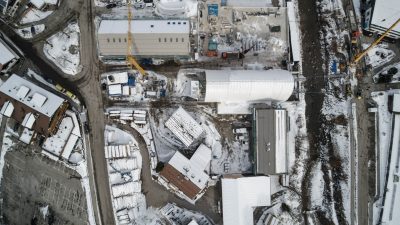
x=359 y=56
x=130 y=60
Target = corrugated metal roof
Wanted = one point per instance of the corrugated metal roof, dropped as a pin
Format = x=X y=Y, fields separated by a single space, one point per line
x=144 y=26
x=241 y=195
x=248 y=85
x=270 y=141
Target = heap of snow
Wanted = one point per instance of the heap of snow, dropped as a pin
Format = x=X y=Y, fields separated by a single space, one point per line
x=34 y=15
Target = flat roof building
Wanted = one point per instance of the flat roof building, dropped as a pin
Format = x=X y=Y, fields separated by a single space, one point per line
x=384 y=14
x=270 y=141
x=169 y=38
x=7 y=55
x=187 y=175
x=32 y=106
x=240 y=196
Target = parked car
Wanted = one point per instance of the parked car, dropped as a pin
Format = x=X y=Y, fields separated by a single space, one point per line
x=69 y=94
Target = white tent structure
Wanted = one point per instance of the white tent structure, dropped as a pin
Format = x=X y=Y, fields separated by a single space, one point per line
x=225 y=86
x=241 y=195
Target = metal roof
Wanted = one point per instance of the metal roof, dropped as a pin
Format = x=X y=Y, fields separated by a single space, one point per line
x=248 y=85
x=144 y=26
x=270 y=141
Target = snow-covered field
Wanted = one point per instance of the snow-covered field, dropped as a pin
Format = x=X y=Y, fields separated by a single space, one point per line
x=32 y=31
x=63 y=49
x=34 y=15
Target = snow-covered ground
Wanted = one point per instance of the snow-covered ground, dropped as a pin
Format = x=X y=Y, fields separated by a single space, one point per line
x=7 y=146
x=63 y=49
x=34 y=15
x=228 y=156
x=379 y=55
x=32 y=31
x=140 y=90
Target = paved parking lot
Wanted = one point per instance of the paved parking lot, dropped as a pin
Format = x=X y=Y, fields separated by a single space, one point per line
x=31 y=180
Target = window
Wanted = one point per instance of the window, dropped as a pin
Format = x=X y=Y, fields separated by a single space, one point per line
x=165 y=39
x=159 y=39
x=184 y=22
x=113 y=39
x=179 y=22
x=176 y=39
x=169 y=23
x=173 y=22
x=152 y=25
x=108 y=40
x=125 y=40
x=170 y=40
x=183 y=39
x=119 y=40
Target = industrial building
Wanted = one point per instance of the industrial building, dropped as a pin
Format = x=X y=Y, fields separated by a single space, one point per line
x=30 y=105
x=248 y=85
x=270 y=141
x=383 y=14
x=187 y=176
x=241 y=195
x=161 y=38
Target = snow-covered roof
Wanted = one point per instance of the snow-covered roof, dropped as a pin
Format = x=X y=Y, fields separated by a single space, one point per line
x=119 y=78
x=252 y=3
x=294 y=32
x=76 y=131
x=55 y=144
x=184 y=127
x=26 y=136
x=29 y=120
x=115 y=89
x=40 y=3
x=5 y=54
x=119 y=190
x=191 y=170
x=7 y=109
x=24 y=91
x=144 y=26
x=241 y=195
x=248 y=85
x=69 y=146
x=386 y=13
x=202 y=157
x=193 y=222
x=396 y=103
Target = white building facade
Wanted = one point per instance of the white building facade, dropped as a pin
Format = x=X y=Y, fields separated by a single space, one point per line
x=151 y=38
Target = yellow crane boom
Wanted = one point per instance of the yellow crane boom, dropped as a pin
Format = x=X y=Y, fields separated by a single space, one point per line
x=359 y=56
x=130 y=60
